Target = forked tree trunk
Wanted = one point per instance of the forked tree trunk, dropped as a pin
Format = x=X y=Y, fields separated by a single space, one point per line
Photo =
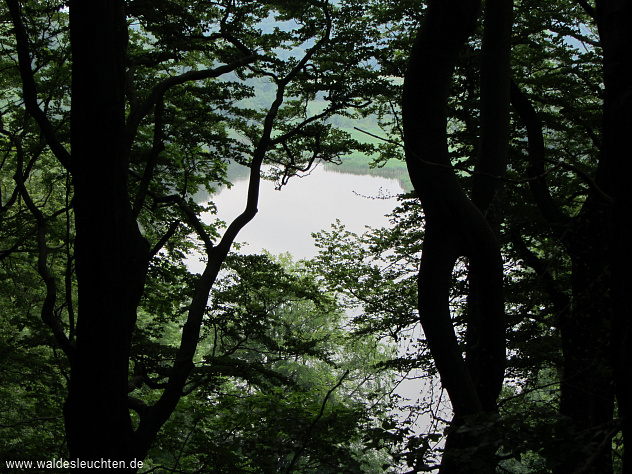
x=455 y=227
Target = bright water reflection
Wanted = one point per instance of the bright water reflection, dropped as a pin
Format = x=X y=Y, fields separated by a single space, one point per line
x=287 y=218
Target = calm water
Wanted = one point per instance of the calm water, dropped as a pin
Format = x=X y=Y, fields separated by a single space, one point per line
x=287 y=218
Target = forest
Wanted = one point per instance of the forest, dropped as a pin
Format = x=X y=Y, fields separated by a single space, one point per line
x=500 y=289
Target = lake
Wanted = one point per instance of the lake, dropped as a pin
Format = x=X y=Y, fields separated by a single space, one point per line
x=288 y=217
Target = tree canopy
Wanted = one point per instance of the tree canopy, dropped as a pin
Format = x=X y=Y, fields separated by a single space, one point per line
x=503 y=277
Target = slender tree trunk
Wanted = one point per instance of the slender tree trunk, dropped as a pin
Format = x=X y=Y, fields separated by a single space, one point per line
x=109 y=250
x=483 y=331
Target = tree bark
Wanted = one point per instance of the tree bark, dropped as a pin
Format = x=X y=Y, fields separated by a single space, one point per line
x=586 y=386
x=484 y=356
x=596 y=333
x=109 y=250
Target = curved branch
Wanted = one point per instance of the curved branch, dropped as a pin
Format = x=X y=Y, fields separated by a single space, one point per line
x=140 y=112
x=265 y=142
x=158 y=414
x=193 y=220
x=188 y=212
x=48 y=306
x=29 y=89
x=452 y=221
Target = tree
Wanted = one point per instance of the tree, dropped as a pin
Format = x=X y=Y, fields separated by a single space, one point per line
x=586 y=328
x=611 y=18
x=278 y=385
x=127 y=161
x=523 y=214
x=454 y=225
x=552 y=218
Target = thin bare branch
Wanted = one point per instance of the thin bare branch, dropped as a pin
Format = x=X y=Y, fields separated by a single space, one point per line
x=164 y=239
x=157 y=147
x=28 y=422
x=192 y=218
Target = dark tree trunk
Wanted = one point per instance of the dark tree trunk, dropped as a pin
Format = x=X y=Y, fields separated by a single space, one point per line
x=586 y=388
x=483 y=331
x=614 y=18
x=445 y=28
x=455 y=227
x=111 y=255
x=596 y=333
x=585 y=321
x=109 y=250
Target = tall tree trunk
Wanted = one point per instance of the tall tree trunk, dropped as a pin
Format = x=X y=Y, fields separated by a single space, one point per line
x=596 y=335
x=483 y=332
x=454 y=227
x=586 y=387
x=614 y=18
x=110 y=252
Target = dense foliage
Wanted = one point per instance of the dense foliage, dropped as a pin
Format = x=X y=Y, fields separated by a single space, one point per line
x=112 y=347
